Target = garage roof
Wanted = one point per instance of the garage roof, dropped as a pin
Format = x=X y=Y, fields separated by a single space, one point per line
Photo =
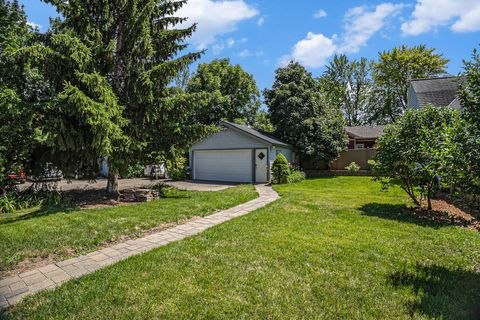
x=257 y=134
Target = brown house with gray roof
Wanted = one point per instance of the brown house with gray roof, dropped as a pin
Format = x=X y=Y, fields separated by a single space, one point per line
x=363 y=137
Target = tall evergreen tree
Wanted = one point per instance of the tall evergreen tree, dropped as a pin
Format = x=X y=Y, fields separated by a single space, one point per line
x=17 y=89
x=120 y=57
x=302 y=117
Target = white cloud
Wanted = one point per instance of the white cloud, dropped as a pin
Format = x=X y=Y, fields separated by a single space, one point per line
x=34 y=25
x=320 y=14
x=459 y=15
x=247 y=53
x=261 y=22
x=215 y=18
x=361 y=24
x=217 y=48
x=313 y=51
x=230 y=42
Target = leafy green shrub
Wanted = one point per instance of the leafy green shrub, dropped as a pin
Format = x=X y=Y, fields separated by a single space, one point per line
x=419 y=148
x=353 y=167
x=296 y=176
x=7 y=204
x=134 y=171
x=16 y=200
x=164 y=190
x=371 y=163
x=280 y=169
x=177 y=168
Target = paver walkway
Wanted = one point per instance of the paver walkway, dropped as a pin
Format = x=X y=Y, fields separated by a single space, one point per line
x=13 y=289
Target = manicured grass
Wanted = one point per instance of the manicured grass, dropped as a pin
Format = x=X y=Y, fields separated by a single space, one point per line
x=38 y=233
x=332 y=248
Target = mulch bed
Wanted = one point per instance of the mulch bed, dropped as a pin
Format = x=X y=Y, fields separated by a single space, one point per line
x=444 y=211
x=93 y=199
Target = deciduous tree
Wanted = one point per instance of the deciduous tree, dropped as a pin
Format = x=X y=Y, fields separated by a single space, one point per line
x=470 y=138
x=418 y=150
x=392 y=74
x=347 y=84
x=229 y=93
x=301 y=117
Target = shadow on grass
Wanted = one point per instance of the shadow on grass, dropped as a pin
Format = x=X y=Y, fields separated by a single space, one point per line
x=441 y=292
x=401 y=212
x=41 y=212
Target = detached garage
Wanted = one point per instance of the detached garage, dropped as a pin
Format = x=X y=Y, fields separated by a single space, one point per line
x=237 y=153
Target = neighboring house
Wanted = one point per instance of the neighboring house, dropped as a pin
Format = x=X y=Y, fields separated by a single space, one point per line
x=362 y=145
x=440 y=92
x=363 y=137
x=237 y=153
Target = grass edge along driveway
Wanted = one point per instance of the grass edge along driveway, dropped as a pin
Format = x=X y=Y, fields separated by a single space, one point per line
x=57 y=234
x=331 y=248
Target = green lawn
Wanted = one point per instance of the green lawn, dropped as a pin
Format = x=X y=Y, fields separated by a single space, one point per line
x=59 y=233
x=331 y=248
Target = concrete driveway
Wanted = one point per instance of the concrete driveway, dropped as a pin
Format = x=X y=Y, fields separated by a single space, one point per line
x=99 y=184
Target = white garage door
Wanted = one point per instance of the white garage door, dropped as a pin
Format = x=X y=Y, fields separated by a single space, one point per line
x=223 y=165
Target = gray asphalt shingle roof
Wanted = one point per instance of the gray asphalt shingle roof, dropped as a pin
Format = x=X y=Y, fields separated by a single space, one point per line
x=258 y=134
x=440 y=92
x=365 y=132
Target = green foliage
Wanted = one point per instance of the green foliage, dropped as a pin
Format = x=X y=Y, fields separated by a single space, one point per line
x=17 y=91
x=347 y=85
x=392 y=74
x=302 y=117
x=263 y=123
x=7 y=204
x=110 y=73
x=134 y=171
x=296 y=176
x=470 y=136
x=353 y=167
x=230 y=93
x=417 y=149
x=280 y=169
x=177 y=168
x=14 y=199
x=371 y=163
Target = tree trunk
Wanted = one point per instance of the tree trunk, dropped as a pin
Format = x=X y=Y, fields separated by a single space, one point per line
x=429 y=198
x=112 y=184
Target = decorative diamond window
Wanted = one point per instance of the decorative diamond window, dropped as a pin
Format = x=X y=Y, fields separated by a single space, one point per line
x=261 y=155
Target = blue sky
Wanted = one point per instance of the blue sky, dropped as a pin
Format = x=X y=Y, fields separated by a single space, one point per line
x=263 y=35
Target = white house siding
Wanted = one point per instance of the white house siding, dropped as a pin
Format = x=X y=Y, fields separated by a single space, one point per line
x=229 y=139
x=274 y=151
x=215 y=155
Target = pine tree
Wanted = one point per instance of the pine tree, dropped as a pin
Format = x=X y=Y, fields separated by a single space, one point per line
x=16 y=80
x=128 y=49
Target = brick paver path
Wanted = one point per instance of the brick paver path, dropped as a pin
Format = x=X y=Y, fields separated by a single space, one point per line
x=13 y=289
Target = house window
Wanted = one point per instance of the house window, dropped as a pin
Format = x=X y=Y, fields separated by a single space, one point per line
x=277 y=152
x=360 y=146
